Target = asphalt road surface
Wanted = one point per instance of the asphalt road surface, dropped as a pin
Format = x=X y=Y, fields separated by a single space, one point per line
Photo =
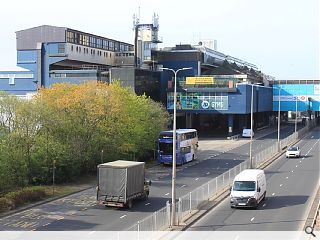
x=81 y=212
x=291 y=186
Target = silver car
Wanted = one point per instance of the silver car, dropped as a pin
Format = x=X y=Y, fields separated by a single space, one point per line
x=293 y=152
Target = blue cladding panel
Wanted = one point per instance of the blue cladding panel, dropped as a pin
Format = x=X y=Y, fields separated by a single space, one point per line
x=288 y=93
x=28 y=59
x=237 y=103
x=20 y=85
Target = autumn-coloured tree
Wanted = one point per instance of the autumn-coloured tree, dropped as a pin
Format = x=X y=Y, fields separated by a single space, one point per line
x=71 y=125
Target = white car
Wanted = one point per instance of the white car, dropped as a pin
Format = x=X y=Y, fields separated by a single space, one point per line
x=247 y=133
x=293 y=152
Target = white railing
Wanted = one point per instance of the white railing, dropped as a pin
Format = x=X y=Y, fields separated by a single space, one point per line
x=187 y=204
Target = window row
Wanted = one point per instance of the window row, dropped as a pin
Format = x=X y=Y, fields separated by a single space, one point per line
x=92 y=51
x=124 y=54
x=71 y=75
x=96 y=42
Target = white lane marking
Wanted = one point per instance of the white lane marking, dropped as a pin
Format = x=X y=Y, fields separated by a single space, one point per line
x=296 y=165
x=312 y=136
x=303 y=158
x=183 y=186
x=252 y=219
x=264 y=205
x=208 y=173
x=123 y=216
x=197 y=179
x=273 y=194
x=147 y=204
x=300 y=161
x=292 y=171
x=281 y=185
x=167 y=194
x=287 y=177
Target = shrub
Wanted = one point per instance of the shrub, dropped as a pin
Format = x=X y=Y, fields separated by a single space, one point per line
x=29 y=194
x=5 y=204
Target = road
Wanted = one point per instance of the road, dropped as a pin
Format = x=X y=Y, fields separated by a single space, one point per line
x=80 y=211
x=291 y=186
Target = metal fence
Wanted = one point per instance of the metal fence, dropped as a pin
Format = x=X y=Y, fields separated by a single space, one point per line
x=160 y=220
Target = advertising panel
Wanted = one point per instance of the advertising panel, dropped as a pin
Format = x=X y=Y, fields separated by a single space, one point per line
x=199 y=80
x=197 y=101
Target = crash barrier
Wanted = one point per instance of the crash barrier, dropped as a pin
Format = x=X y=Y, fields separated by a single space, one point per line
x=191 y=202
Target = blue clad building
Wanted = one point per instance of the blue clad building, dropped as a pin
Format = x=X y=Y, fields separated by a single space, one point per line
x=52 y=54
x=223 y=105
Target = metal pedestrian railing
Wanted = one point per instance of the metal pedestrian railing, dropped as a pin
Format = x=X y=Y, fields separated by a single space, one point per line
x=187 y=204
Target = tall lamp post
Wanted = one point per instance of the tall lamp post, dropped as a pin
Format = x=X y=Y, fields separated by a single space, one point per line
x=295 y=123
x=251 y=126
x=173 y=195
x=279 y=120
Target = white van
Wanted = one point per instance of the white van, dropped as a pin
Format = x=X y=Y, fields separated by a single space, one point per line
x=248 y=188
x=246 y=132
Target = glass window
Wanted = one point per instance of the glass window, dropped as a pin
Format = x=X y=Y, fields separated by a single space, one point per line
x=165 y=148
x=11 y=80
x=244 y=186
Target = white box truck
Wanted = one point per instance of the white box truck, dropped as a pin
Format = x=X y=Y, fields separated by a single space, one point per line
x=121 y=182
x=248 y=189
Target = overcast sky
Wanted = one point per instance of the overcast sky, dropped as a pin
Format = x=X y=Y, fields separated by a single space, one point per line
x=281 y=37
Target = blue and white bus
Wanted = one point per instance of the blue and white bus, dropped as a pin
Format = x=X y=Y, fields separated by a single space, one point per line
x=187 y=145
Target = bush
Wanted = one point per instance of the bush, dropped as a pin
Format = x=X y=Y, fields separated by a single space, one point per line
x=5 y=204
x=26 y=195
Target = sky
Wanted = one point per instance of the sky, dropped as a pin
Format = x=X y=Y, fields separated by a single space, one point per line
x=281 y=37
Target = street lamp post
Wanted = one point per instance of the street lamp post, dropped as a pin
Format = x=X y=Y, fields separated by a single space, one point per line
x=251 y=127
x=279 y=120
x=173 y=195
x=295 y=123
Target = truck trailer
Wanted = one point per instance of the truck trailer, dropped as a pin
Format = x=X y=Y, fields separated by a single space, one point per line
x=121 y=182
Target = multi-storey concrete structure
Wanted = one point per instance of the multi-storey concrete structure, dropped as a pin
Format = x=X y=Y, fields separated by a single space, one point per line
x=58 y=54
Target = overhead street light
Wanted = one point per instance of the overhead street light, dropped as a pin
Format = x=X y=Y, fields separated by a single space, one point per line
x=251 y=126
x=173 y=195
x=295 y=123
x=279 y=100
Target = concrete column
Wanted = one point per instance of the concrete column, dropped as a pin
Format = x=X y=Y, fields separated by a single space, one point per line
x=230 y=125
x=188 y=120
